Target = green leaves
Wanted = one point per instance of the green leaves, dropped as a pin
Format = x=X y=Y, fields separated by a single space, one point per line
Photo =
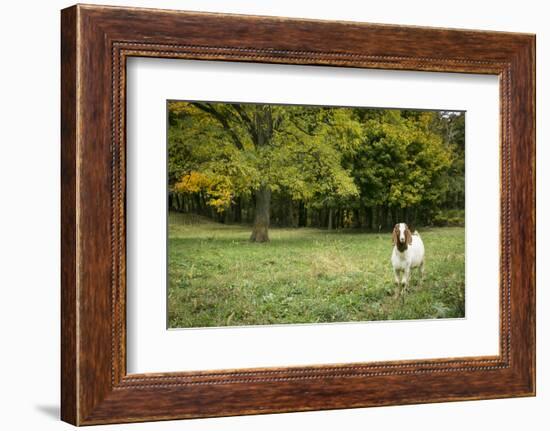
x=296 y=150
x=401 y=160
x=321 y=156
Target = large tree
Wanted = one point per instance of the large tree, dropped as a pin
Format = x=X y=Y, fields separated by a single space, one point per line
x=232 y=150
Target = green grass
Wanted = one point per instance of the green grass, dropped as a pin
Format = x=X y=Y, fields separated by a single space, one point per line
x=218 y=278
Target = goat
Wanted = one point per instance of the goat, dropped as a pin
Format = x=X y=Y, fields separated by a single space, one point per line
x=408 y=253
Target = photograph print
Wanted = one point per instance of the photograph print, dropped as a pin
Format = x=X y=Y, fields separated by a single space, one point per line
x=293 y=214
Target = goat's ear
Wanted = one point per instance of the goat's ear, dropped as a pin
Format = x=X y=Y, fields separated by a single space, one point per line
x=408 y=236
x=395 y=234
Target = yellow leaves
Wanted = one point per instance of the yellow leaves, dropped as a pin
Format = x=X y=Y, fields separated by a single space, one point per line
x=218 y=189
x=177 y=107
x=220 y=196
x=193 y=182
x=425 y=119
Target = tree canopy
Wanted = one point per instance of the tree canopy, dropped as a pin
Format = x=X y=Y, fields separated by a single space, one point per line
x=313 y=166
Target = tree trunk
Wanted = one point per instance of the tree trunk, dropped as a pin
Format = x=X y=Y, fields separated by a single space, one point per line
x=292 y=216
x=357 y=218
x=369 y=216
x=378 y=218
x=261 y=218
x=237 y=218
x=263 y=132
x=330 y=219
x=302 y=215
x=250 y=204
x=384 y=218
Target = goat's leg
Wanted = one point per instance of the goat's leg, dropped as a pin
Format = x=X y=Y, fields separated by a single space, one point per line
x=396 y=273
x=406 y=278
x=422 y=273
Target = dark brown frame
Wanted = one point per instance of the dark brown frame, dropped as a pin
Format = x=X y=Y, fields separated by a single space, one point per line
x=95 y=43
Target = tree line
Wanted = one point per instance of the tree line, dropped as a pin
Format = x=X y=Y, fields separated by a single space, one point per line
x=312 y=166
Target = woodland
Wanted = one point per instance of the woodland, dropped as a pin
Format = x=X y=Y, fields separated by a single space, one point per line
x=326 y=167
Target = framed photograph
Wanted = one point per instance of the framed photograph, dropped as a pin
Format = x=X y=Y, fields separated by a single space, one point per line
x=264 y=215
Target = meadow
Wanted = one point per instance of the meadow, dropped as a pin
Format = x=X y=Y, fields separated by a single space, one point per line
x=217 y=277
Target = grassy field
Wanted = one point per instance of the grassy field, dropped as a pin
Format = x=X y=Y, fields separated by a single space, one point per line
x=218 y=278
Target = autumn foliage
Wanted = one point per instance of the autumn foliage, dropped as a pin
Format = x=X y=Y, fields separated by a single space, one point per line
x=329 y=167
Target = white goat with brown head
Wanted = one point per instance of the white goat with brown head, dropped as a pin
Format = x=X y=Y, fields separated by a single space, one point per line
x=408 y=253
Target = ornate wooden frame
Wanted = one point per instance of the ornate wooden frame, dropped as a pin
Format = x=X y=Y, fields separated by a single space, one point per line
x=95 y=43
